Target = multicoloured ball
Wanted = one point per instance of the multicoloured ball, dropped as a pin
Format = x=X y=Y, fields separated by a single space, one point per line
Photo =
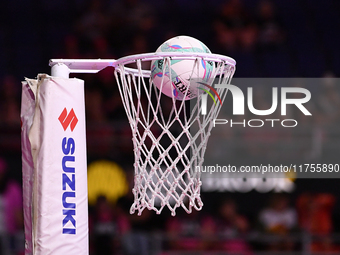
x=185 y=79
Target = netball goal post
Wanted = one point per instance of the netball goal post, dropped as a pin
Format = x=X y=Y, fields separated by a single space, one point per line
x=54 y=146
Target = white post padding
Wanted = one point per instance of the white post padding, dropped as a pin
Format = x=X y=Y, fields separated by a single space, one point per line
x=54 y=166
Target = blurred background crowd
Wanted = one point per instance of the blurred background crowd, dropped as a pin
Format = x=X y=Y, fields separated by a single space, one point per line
x=276 y=38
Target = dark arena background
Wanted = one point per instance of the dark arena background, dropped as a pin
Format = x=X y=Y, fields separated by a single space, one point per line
x=278 y=38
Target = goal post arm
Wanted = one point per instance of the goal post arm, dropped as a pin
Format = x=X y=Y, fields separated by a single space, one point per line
x=63 y=67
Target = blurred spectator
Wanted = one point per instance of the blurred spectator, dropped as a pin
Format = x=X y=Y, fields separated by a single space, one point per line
x=136 y=240
x=9 y=107
x=11 y=218
x=100 y=48
x=95 y=110
x=190 y=232
x=234 y=14
x=71 y=48
x=315 y=217
x=94 y=23
x=315 y=212
x=107 y=227
x=271 y=32
x=248 y=37
x=225 y=39
x=132 y=14
x=232 y=227
x=235 y=28
x=280 y=219
x=129 y=18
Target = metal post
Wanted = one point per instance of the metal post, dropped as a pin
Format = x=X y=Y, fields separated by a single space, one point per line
x=60 y=70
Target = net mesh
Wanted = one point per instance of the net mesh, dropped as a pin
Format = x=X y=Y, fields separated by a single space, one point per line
x=169 y=136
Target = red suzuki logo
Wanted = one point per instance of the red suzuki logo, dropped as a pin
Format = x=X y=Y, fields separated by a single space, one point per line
x=68 y=119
